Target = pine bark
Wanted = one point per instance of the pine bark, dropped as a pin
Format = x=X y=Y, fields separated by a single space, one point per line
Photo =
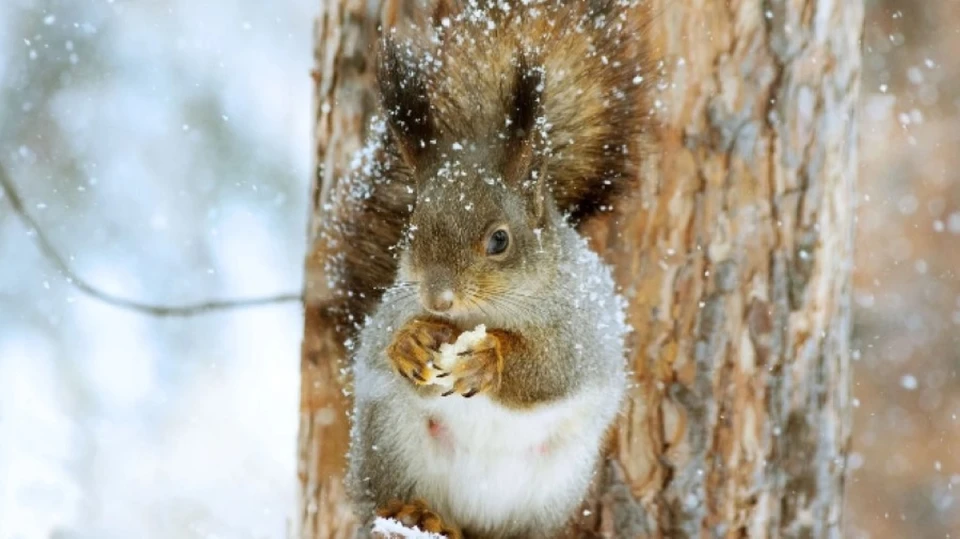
x=345 y=32
x=736 y=259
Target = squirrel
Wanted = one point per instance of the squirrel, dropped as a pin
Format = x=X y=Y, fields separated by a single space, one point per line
x=491 y=370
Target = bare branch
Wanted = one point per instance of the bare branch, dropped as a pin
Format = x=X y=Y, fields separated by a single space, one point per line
x=52 y=254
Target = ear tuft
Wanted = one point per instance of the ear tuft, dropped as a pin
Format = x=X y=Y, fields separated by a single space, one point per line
x=403 y=97
x=524 y=104
x=528 y=88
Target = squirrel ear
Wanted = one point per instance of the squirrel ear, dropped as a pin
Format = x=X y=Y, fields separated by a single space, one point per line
x=403 y=97
x=523 y=107
x=528 y=85
x=538 y=195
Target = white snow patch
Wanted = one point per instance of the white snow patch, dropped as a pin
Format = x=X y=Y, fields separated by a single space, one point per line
x=391 y=528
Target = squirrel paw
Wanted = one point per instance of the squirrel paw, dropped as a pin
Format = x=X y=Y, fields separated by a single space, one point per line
x=416 y=513
x=478 y=369
x=415 y=347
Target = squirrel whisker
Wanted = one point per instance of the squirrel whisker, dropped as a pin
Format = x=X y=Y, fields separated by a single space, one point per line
x=510 y=306
x=403 y=294
x=472 y=300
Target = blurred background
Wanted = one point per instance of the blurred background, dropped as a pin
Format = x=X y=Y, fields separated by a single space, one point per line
x=164 y=146
x=165 y=149
x=905 y=460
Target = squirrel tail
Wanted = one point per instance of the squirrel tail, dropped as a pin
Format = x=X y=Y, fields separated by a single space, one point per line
x=598 y=102
x=583 y=70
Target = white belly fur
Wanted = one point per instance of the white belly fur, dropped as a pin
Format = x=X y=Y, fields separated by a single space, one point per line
x=492 y=465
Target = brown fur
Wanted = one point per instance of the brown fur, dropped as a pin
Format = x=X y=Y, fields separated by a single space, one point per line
x=357 y=243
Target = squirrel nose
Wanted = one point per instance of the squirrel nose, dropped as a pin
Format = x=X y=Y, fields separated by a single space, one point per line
x=440 y=301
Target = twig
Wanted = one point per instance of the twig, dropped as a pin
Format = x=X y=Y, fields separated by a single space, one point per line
x=51 y=253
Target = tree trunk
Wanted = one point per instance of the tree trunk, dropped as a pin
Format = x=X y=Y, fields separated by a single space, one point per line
x=344 y=100
x=735 y=258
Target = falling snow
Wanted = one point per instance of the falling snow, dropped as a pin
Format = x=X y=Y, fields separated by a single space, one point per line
x=113 y=125
x=167 y=153
x=907 y=277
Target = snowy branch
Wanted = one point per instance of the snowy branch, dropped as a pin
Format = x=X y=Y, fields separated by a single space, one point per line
x=50 y=252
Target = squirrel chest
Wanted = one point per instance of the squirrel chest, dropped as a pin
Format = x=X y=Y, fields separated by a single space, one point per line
x=491 y=464
x=494 y=469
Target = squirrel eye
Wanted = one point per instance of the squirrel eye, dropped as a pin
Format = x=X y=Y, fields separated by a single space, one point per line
x=498 y=242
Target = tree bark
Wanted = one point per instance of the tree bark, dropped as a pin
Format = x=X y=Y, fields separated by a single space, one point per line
x=735 y=258
x=344 y=34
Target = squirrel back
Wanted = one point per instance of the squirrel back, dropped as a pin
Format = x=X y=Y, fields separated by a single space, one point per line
x=559 y=86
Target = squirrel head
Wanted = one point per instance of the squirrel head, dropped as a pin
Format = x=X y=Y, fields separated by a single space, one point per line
x=483 y=233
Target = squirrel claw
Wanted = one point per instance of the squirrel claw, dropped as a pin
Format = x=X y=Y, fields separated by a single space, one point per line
x=414 y=348
x=479 y=368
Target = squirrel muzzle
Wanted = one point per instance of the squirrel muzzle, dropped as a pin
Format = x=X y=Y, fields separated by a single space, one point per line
x=437 y=293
